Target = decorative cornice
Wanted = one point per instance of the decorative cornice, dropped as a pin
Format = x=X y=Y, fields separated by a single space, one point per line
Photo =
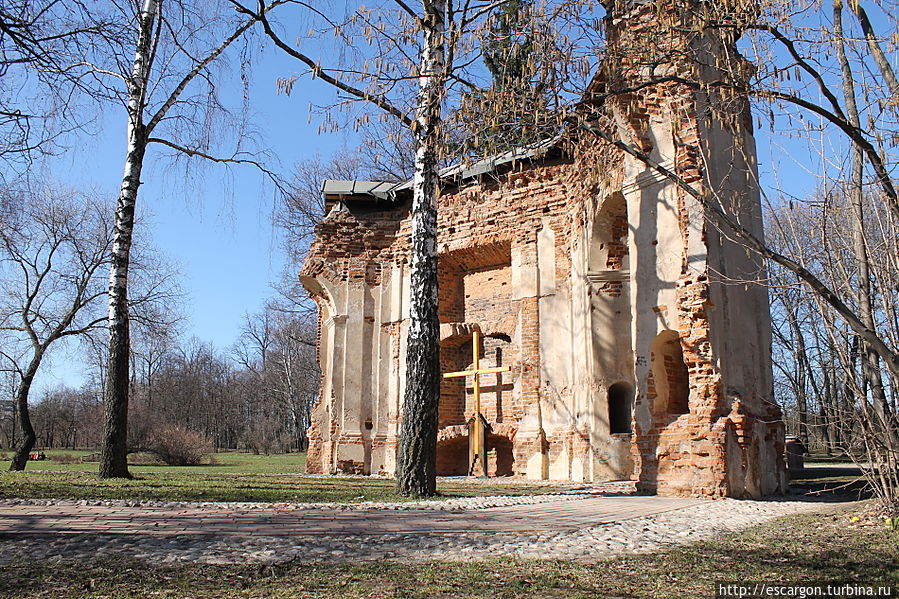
x=604 y=276
x=335 y=320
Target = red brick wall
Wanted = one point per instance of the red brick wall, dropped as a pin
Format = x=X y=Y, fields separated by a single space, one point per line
x=483 y=224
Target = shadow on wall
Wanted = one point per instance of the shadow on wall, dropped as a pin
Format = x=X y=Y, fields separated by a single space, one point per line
x=500 y=460
x=651 y=280
x=453 y=456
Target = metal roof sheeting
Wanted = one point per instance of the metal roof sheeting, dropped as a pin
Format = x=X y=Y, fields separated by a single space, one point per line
x=491 y=163
x=382 y=190
x=385 y=190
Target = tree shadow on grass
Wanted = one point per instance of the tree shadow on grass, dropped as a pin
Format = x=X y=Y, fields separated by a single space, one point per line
x=831 y=482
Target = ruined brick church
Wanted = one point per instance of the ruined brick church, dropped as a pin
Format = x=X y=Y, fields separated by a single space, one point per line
x=636 y=335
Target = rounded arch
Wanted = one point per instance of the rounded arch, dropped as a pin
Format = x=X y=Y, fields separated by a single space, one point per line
x=670 y=374
x=621 y=402
x=321 y=288
x=608 y=239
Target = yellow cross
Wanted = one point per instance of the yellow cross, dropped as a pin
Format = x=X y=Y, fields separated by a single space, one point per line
x=476 y=447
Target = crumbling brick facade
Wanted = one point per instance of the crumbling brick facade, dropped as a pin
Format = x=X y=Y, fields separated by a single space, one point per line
x=637 y=345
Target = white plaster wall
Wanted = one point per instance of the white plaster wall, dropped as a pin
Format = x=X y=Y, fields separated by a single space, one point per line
x=741 y=324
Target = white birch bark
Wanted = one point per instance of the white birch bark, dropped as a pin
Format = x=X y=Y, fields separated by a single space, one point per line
x=417 y=458
x=113 y=455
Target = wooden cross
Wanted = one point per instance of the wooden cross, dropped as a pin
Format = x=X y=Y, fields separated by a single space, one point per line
x=476 y=447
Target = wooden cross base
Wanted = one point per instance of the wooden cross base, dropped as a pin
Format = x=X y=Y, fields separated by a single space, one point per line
x=477 y=452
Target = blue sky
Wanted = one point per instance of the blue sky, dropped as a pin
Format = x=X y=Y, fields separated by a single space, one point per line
x=218 y=227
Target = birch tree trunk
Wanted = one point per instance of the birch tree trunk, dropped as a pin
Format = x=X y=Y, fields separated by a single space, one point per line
x=417 y=458
x=152 y=31
x=114 y=452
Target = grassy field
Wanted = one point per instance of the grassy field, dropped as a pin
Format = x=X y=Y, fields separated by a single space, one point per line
x=67 y=460
x=231 y=477
x=797 y=548
x=234 y=476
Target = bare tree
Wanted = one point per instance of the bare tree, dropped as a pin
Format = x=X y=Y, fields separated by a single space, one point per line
x=40 y=97
x=303 y=205
x=53 y=259
x=68 y=418
x=196 y=389
x=54 y=256
x=846 y=407
x=276 y=351
x=254 y=346
x=9 y=415
x=168 y=93
x=295 y=374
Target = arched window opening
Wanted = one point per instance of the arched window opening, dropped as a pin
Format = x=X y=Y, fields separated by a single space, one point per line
x=670 y=374
x=608 y=245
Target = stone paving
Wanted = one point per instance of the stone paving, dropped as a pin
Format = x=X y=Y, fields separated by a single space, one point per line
x=576 y=525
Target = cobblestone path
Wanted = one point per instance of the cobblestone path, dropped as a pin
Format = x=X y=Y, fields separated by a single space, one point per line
x=575 y=527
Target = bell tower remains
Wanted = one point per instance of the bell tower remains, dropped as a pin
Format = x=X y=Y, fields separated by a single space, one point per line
x=704 y=418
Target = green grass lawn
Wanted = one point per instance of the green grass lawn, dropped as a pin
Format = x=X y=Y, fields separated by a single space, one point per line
x=231 y=477
x=230 y=462
x=176 y=485
x=797 y=548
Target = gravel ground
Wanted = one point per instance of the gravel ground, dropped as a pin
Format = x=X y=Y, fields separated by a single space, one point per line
x=645 y=534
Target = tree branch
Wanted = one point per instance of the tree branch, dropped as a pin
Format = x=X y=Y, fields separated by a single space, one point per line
x=317 y=70
x=890 y=357
x=189 y=152
x=198 y=68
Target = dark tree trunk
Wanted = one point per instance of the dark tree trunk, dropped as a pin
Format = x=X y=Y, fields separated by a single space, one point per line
x=20 y=459
x=827 y=422
x=801 y=375
x=417 y=458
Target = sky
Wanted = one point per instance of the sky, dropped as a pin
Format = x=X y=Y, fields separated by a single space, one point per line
x=217 y=228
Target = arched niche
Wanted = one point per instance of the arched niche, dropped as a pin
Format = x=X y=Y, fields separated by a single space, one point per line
x=670 y=374
x=608 y=239
x=621 y=402
x=608 y=289
x=323 y=290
